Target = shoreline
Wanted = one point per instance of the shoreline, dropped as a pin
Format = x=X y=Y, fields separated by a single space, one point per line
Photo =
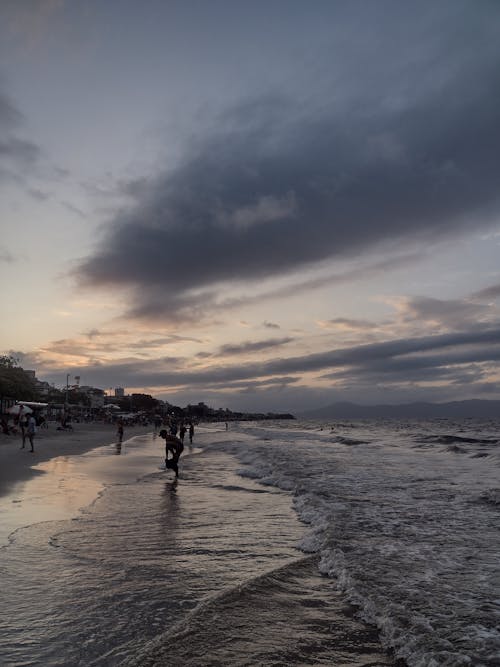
x=290 y=584
x=17 y=465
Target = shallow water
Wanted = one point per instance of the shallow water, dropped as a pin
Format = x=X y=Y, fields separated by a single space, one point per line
x=111 y=583
x=217 y=569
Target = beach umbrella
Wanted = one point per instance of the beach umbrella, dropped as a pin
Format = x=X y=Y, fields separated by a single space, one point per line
x=19 y=409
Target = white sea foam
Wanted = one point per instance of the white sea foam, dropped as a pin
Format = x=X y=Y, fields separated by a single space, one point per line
x=406 y=517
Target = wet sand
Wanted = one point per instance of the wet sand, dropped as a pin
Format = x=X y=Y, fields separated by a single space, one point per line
x=59 y=477
x=16 y=464
x=278 y=613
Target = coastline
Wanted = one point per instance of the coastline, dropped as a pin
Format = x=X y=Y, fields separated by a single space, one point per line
x=17 y=465
x=324 y=623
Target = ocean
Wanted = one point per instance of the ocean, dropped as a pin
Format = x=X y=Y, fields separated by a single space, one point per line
x=283 y=543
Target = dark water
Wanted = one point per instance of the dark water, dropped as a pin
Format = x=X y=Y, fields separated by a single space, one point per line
x=406 y=516
x=252 y=557
x=204 y=571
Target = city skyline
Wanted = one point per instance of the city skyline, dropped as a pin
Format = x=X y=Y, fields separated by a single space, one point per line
x=264 y=207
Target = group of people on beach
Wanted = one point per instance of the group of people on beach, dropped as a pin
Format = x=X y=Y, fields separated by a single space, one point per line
x=174 y=444
x=173 y=433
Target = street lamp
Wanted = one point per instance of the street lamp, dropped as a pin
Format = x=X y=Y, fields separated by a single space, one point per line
x=67 y=387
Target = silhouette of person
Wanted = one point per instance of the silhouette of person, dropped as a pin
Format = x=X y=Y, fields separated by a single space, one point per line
x=31 y=431
x=175 y=446
x=119 y=431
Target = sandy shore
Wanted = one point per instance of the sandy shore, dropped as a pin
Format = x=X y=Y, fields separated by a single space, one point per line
x=16 y=464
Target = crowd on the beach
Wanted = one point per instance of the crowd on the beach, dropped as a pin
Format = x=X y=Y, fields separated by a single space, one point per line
x=25 y=423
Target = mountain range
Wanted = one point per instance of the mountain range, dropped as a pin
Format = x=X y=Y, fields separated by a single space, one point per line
x=473 y=409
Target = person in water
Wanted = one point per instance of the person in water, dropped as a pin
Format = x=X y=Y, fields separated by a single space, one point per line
x=175 y=446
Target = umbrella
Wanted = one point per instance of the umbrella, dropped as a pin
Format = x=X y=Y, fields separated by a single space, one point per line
x=19 y=409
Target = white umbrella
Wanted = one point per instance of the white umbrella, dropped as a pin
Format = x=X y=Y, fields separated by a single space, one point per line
x=19 y=409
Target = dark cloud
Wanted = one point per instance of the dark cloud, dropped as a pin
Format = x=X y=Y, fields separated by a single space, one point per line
x=451 y=313
x=395 y=358
x=160 y=341
x=253 y=346
x=280 y=186
x=39 y=195
x=492 y=292
x=271 y=325
x=16 y=153
x=74 y=209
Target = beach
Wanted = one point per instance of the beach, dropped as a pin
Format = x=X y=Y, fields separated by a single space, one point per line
x=50 y=443
x=114 y=562
x=282 y=543
x=24 y=475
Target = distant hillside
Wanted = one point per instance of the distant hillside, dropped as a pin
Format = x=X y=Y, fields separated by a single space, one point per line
x=455 y=410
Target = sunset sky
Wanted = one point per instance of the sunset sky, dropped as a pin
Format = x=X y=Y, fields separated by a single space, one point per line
x=266 y=205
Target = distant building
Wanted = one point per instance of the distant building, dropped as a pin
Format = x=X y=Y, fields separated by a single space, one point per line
x=119 y=392
x=96 y=398
x=95 y=395
x=42 y=388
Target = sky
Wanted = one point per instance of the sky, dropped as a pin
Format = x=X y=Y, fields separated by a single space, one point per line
x=265 y=206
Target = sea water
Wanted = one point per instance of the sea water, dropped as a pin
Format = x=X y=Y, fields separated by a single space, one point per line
x=406 y=516
x=241 y=561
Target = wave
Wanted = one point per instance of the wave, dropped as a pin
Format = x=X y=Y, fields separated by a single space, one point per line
x=349 y=441
x=288 y=615
x=234 y=487
x=490 y=497
x=452 y=439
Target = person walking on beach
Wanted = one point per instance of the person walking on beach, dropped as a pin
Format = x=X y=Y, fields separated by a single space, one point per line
x=175 y=446
x=31 y=431
x=191 y=433
x=182 y=432
x=23 y=425
x=119 y=431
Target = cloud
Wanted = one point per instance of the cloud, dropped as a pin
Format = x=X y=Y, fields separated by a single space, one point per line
x=10 y=116
x=396 y=357
x=347 y=324
x=6 y=256
x=274 y=188
x=450 y=313
x=164 y=340
x=16 y=153
x=253 y=346
x=492 y=292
